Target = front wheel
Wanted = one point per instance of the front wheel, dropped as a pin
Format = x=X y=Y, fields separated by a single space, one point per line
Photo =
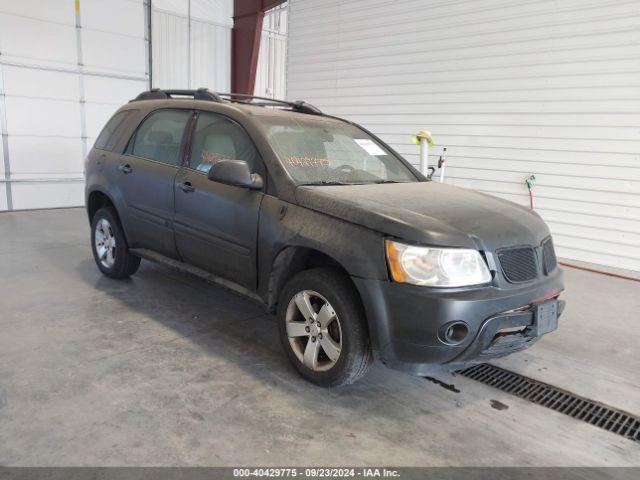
x=110 y=249
x=323 y=329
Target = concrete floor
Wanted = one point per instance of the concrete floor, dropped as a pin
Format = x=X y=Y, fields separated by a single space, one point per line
x=165 y=369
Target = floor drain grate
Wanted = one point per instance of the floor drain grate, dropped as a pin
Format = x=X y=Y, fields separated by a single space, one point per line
x=595 y=413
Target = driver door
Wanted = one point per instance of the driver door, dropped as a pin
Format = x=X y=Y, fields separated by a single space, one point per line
x=216 y=225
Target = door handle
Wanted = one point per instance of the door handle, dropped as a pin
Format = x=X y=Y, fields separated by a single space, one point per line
x=126 y=168
x=186 y=187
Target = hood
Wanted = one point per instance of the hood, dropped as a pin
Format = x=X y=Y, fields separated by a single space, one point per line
x=429 y=213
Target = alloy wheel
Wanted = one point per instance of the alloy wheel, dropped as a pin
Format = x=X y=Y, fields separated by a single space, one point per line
x=314 y=330
x=105 y=243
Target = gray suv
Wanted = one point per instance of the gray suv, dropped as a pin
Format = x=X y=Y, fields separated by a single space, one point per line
x=358 y=253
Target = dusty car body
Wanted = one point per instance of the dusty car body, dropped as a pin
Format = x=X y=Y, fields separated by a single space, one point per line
x=360 y=260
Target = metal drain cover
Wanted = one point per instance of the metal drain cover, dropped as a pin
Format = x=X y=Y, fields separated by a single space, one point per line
x=590 y=411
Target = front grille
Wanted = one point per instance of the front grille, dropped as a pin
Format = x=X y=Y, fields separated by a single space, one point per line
x=518 y=264
x=549 y=256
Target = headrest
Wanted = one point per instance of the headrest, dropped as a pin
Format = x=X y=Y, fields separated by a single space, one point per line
x=221 y=144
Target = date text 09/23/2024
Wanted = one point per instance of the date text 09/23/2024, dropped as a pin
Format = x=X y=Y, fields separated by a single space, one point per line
x=316 y=473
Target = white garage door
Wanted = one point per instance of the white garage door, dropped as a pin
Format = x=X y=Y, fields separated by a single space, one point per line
x=65 y=67
x=512 y=88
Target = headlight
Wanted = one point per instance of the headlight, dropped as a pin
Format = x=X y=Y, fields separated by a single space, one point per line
x=436 y=267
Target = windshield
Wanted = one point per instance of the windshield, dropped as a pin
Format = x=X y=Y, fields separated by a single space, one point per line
x=326 y=151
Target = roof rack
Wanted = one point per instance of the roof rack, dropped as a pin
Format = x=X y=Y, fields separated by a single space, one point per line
x=158 y=94
x=298 y=106
x=206 y=94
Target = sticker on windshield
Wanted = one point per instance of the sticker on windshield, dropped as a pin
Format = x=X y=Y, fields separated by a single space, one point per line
x=369 y=146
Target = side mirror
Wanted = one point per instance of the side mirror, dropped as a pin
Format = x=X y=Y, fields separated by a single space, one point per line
x=235 y=172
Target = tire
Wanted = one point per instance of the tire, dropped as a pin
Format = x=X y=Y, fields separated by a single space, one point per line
x=298 y=333
x=109 y=246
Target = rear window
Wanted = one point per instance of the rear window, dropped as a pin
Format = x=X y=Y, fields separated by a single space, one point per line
x=108 y=137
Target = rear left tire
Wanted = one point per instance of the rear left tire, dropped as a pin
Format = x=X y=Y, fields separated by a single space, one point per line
x=109 y=246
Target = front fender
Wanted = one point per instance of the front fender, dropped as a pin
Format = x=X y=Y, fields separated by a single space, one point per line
x=358 y=250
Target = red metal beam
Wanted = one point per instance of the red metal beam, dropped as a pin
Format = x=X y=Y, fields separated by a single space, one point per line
x=245 y=42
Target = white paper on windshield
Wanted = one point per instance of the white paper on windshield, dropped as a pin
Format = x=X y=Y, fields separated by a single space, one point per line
x=369 y=147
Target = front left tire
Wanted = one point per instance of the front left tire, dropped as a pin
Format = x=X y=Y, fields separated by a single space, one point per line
x=323 y=327
x=109 y=246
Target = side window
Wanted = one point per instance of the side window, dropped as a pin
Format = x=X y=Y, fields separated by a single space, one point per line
x=160 y=135
x=107 y=138
x=218 y=138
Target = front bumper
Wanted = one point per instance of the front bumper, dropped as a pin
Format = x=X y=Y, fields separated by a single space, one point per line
x=406 y=321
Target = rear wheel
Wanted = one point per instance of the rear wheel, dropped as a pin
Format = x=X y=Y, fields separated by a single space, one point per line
x=110 y=249
x=323 y=329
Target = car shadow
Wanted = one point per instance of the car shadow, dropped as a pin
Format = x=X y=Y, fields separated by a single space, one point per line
x=228 y=326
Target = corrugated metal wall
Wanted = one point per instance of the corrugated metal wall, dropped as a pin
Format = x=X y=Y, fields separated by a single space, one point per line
x=271 y=74
x=511 y=87
x=191 y=43
x=62 y=74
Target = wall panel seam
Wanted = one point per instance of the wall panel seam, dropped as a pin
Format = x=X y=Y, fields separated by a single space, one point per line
x=75 y=70
x=4 y=134
x=81 y=99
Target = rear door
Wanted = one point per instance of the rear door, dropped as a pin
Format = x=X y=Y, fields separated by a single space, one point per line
x=216 y=225
x=147 y=171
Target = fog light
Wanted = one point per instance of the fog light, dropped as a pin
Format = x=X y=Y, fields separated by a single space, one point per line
x=454 y=333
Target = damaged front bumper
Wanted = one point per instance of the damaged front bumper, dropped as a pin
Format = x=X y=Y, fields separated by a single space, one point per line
x=510 y=332
x=406 y=322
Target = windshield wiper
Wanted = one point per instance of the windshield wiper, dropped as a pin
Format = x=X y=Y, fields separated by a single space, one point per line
x=337 y=182
x=329 y=182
